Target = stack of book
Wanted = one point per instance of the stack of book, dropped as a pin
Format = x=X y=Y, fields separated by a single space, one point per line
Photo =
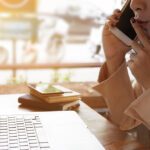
x=59 y=99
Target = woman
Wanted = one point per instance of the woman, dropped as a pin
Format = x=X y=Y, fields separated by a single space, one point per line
x=129 y=106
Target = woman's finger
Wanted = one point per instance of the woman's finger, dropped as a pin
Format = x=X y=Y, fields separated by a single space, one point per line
x=114 y=18
x=140 y=33
x=133 y=54
x=130 y=64
x=117 y=11
x=136 y=47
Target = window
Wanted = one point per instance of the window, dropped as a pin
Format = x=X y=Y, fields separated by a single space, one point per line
x=53 y=34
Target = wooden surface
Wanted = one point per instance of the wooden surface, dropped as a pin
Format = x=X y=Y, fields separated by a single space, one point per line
x=51 y=65
x=107 y=133
x=89 y=96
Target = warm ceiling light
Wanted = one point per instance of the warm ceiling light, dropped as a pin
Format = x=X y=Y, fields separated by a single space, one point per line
x=14 y=4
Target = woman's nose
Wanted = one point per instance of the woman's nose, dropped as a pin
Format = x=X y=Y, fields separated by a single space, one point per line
x=137 y=5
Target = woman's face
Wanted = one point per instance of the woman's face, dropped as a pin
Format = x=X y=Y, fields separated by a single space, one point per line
x=141 y=9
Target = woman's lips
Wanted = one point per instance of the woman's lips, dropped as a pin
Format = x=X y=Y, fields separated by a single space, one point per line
x=143 y=24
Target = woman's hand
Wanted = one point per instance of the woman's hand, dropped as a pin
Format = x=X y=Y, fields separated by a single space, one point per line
x=140 y=62
x=114 y=49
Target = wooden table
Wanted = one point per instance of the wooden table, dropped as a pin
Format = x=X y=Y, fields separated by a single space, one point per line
x=90 y=97
x=107 y=133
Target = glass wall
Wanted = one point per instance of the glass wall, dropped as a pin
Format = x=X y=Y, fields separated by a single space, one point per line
x=38 y=40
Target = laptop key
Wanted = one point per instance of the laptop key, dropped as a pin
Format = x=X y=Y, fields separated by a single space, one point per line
x=24 y=147
x=4 y=148
x=34 y=148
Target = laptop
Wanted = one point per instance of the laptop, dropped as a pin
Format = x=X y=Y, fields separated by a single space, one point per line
x=58 y=130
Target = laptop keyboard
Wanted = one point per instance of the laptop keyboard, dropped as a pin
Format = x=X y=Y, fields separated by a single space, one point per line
x=22 y=132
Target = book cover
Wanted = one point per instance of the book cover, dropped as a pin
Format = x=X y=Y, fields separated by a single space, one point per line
x=65 y=97
x=31 y=101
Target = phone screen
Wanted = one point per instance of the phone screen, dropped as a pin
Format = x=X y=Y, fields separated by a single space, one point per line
x=124 y=24
x=45 y=88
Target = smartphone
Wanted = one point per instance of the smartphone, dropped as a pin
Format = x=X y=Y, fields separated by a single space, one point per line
x=46 y=89
x=123 y=29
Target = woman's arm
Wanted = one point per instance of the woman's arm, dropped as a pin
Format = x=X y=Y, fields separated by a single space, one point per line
x=118 y=94
x=115 y=85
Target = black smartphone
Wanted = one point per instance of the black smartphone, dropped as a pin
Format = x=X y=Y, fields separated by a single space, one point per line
x=124 y=30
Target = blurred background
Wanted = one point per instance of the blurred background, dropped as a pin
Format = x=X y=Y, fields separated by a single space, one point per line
x=52 y=40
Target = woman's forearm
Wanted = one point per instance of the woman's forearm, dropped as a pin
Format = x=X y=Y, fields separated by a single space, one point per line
x=114 y=63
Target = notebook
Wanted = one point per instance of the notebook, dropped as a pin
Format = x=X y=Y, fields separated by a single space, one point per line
x=31 y=102
x=55 y=130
